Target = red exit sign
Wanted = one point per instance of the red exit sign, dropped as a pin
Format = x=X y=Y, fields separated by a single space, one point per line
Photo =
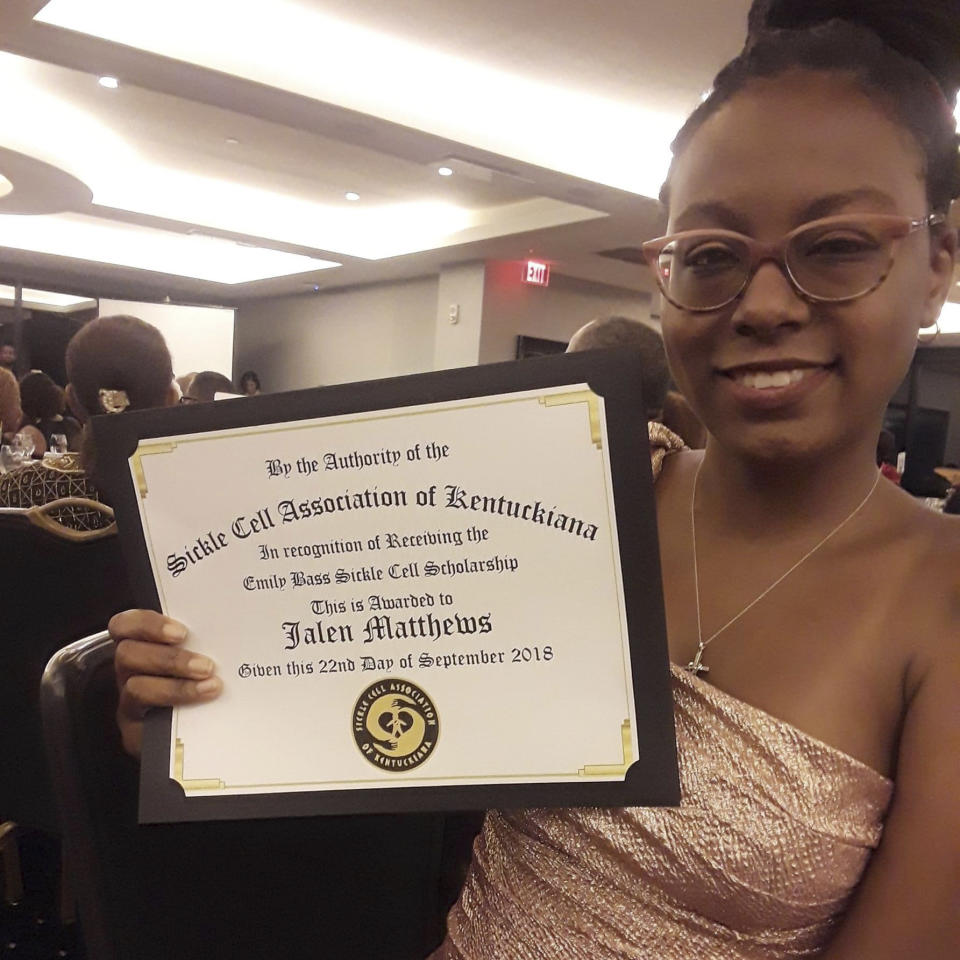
x=536 y=273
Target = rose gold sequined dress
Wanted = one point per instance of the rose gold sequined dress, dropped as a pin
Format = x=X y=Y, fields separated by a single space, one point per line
x=773 y=832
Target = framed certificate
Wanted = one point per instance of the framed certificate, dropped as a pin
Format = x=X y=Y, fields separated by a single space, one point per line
x=425 y=593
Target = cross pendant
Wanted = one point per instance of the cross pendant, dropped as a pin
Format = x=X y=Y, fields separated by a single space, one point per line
x=695 y=666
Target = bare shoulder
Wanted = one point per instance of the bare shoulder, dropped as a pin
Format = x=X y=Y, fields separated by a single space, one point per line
x=935 y=540
x=675 y=470
x=942 y=568
x=902 y=907
x=929 y=593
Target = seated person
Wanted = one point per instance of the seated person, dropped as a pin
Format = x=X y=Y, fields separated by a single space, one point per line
x=116 y=364
x=11 y=413
x=249 y=385
x=206 y=385
x=184 y=382
x=43 y=406
x=38 y=482
x=604 y=333
x=662 y=404
x=113 y=364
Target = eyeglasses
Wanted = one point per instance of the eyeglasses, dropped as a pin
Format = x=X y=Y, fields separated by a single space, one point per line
x=833 y=260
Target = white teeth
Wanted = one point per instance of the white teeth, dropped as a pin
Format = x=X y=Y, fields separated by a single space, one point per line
x=758 y=380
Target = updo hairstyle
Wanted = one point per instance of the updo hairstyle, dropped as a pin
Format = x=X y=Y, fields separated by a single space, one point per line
x=117 y=354
x=905 y=56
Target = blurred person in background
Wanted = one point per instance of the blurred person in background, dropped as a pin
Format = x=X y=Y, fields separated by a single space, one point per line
x=661 y=404
x=44 y=404
x=249 y=384
x=206 y=385
x=115 y=364
x=37 y=482
x=11 y=413
x=605 y=333
x=184 y=382
x=8 y=356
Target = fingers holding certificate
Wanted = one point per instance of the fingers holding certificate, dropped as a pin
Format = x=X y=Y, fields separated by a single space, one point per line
x=437 y=592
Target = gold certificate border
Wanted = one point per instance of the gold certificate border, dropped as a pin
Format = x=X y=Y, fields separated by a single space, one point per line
x=595 y=422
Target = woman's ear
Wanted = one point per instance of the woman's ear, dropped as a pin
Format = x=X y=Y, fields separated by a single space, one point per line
x=943 y=256
x=76 y=407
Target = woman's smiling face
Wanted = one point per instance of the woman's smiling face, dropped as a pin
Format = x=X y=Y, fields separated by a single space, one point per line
x=783 y=152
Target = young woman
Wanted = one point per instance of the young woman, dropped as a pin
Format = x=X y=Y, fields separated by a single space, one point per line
x=818 y=755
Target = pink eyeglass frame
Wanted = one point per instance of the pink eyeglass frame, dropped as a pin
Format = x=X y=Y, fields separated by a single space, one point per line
x=894 y=226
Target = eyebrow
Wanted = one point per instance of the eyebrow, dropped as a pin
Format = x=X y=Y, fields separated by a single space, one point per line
x=715 y=212
x=834 y=202
x=718 y=213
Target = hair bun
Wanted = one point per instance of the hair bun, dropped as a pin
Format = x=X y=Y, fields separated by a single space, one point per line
x=927 y=31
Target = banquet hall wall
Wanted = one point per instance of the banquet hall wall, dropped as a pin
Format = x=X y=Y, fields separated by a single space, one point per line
x=404 y=327
x=938 y=390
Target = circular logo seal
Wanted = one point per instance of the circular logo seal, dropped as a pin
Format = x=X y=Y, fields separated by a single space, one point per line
x=395 y=725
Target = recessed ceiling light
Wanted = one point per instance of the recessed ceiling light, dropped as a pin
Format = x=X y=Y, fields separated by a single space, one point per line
x=111 y=83
x=350 y=195
x=233 y=141
x=445 y=171
x=5 y=186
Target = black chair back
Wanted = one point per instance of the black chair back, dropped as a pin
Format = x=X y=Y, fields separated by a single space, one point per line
x=55 y=585
x=338 y=887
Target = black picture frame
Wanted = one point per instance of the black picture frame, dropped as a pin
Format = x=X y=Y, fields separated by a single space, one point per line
x=614 y=375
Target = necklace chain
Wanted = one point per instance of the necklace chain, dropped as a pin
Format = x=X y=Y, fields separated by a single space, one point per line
x=696 y=666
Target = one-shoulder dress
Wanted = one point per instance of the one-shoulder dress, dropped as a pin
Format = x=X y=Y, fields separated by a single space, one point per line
x=772 y=834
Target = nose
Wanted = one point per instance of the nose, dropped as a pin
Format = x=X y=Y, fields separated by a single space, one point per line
x=769 y=304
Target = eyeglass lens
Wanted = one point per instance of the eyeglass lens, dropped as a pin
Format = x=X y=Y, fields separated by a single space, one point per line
x=831 y=262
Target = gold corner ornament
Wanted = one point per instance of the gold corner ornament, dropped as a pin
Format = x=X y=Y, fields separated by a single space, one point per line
x=613 y=769
x=593 y=409
x=145 y=450
x=190 y=786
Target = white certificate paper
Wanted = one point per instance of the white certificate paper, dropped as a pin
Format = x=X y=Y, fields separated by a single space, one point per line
x=467 y=570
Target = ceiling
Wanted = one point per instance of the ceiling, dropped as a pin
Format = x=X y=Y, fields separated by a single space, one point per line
x=217 y=170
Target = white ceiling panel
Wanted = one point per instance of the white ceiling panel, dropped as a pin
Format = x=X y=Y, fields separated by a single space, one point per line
x=573 y=112
x=142 y=248
x=252 y=121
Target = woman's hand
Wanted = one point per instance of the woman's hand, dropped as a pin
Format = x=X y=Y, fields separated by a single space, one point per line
x=154 y=670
